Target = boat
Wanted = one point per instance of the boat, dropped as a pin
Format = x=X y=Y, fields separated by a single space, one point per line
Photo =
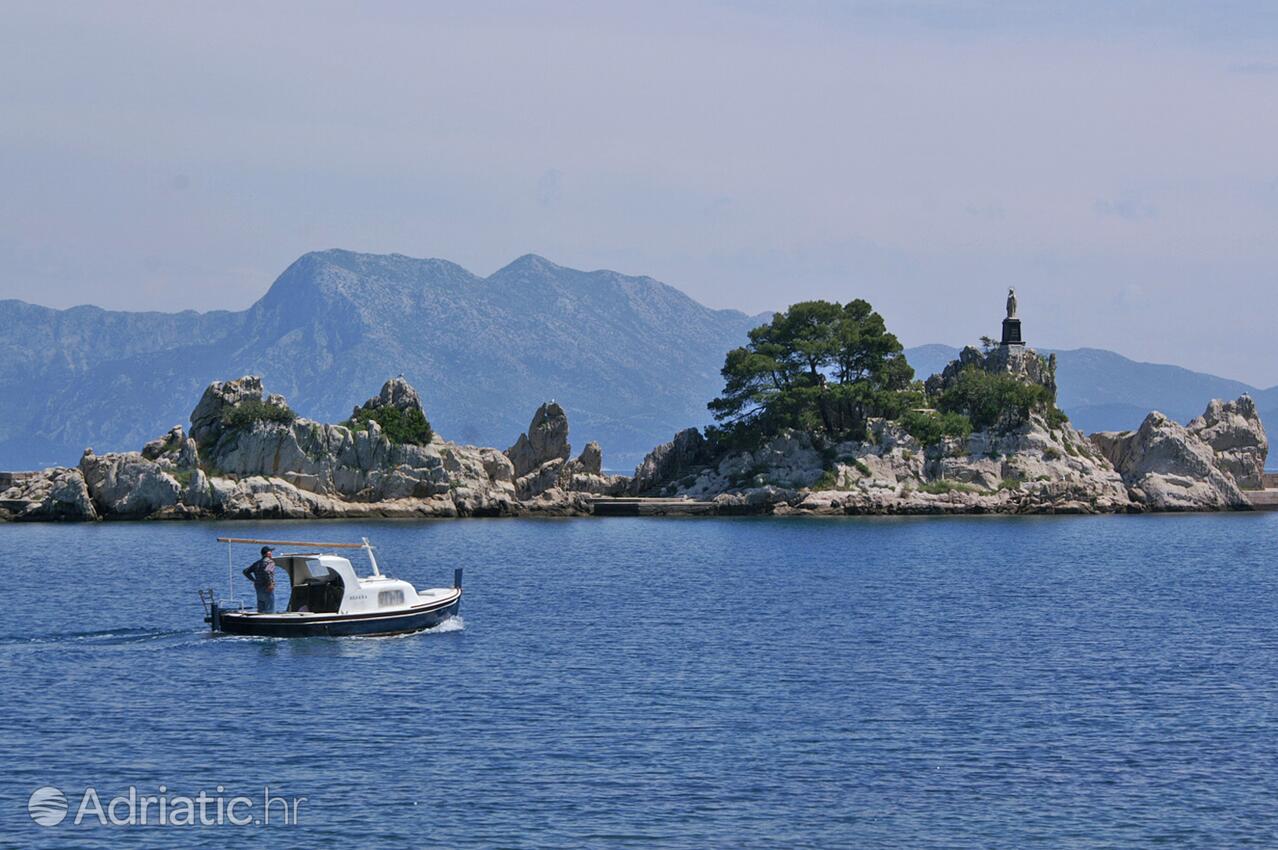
x=328 y=599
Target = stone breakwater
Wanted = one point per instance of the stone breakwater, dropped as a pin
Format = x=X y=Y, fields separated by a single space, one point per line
x=227 y=467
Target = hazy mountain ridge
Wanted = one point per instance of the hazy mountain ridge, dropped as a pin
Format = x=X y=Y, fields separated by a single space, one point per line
x=632 y=359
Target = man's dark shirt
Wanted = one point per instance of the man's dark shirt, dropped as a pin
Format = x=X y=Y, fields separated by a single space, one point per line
x=262 y=574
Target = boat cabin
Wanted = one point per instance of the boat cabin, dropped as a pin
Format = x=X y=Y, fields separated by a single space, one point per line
x=327 y=584
x=318 y=582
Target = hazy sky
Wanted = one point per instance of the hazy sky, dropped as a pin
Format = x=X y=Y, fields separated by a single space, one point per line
x=1116 y=162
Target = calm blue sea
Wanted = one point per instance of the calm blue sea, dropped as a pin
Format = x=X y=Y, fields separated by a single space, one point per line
x=735 y=683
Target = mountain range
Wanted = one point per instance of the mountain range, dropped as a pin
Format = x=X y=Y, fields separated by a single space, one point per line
x=631 y=359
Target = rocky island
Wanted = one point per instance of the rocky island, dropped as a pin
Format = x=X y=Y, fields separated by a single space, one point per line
x=820 y=415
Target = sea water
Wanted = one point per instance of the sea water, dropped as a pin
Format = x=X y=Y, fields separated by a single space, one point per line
x=686 y=683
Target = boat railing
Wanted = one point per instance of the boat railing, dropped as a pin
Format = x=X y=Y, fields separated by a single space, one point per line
x=208 y=599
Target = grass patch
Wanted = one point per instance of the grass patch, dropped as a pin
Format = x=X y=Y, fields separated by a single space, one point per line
x=829 y=480
x=940 y=488
x=212 y=471
x=1051 y=454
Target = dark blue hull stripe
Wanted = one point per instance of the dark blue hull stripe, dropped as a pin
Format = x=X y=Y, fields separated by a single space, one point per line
x=380 y=623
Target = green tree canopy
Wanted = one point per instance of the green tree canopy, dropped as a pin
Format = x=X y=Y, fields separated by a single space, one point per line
x=819 y=366
x=995 y=400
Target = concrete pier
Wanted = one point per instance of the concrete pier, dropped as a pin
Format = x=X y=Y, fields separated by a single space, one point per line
x=1266 y=499
x=621 y=506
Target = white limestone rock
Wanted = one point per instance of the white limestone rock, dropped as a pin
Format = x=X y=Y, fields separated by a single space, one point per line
x=396 y=393
x=545 y=440
x=127 y=485
x=57 y=493
x=1166 y=467
x=1237 y=436
x=218 y=398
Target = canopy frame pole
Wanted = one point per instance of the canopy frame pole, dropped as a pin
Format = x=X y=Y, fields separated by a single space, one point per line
x=274 y=543
x=230 y=573
x=368 y=547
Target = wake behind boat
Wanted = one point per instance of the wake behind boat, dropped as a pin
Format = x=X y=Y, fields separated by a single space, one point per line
x=327 y=598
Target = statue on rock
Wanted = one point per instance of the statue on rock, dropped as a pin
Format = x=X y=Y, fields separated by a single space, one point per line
x=1012 y=324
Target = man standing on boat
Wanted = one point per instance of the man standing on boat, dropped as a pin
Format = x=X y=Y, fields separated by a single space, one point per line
x=262 y=573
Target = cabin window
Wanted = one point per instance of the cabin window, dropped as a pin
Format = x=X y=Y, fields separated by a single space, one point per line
x=387 y=598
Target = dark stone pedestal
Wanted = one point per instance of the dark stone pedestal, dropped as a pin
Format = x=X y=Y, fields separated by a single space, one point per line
x=1012 y=332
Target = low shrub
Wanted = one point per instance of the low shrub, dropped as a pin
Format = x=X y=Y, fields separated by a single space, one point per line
x=400 y=426
x=930 y=427
x=244 y=414
x=996 y=400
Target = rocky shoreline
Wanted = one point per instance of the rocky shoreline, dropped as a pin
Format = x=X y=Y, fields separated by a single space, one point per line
x=240 y=460
x=1034 y=469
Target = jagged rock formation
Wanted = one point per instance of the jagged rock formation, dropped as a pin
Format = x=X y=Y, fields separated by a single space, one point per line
x=1237 y=436
x=248 y=456
x=687 y=452
x=541 y=465
x=1170 y=467
x=545 y=441
x=320 y=469
x=396 y=393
